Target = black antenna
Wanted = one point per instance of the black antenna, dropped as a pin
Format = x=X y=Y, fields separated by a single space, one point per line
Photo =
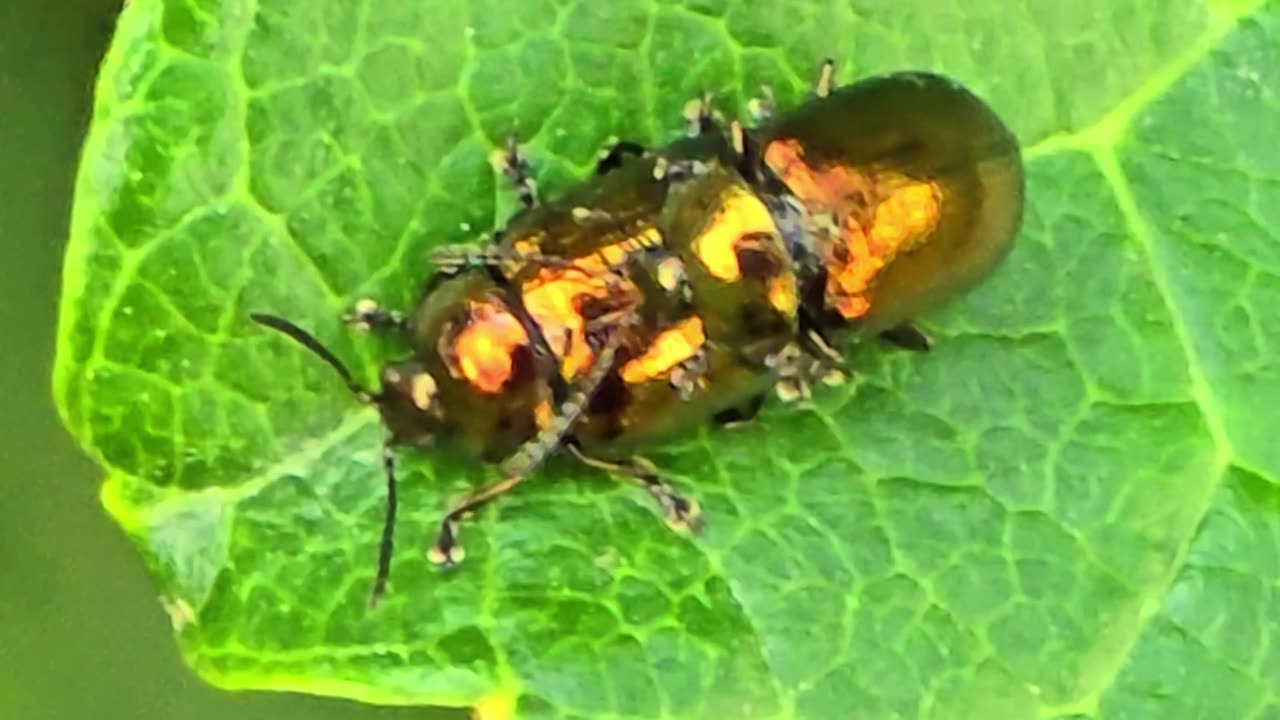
x=387 y=542
x=308 y=341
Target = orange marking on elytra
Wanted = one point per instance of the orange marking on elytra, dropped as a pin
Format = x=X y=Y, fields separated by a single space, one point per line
x=553 y=300
x=741 y=214
x=879 y=215
x=670 y=348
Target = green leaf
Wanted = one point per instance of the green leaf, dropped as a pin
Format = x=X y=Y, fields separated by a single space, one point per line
x=1069 y=509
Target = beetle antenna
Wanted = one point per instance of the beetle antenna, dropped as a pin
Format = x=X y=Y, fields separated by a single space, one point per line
x=308 y=341
x=387 y=544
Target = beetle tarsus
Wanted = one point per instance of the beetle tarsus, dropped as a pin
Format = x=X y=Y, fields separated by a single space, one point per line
x=368 y=316
x=801 y=364
x=615 y=154
x=679 y=512
x=446 y=552
x=700 y=115
x=511 y=162
x=746 y=153
x=690 y=375
x=826 y=79
x=762 y=108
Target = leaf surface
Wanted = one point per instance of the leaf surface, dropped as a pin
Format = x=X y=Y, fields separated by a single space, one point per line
x=1068 y=509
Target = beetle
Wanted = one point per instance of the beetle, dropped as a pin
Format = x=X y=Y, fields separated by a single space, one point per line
x=678 y=287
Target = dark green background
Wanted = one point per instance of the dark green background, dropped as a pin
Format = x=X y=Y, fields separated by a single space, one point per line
x=81 y=632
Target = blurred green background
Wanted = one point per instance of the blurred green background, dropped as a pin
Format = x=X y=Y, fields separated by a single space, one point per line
x=81 y=633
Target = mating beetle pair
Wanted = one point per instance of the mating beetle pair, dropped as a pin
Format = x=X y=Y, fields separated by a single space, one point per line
x=678 y=287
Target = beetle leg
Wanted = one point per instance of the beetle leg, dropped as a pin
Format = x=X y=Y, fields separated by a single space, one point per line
x=791 y=381
x=750 y=159
x=612 y=156
x=826 y=79
x=700 y=115
x=737 y=138
x=464 y=256
x=679 y=511
x=369 y=316
x=446 y=550
x=690 y=375
x=816 y=345
x=907 y=337
x=827 y=364
x=511 y=162
x=741 y=415
x=762 y=108
x=797 y=366
x=675 y=171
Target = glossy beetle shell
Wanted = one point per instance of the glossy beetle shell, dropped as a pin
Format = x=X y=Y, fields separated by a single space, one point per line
x=937 y=142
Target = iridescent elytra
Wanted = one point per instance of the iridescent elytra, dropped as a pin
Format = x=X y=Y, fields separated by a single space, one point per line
x=897 y=145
